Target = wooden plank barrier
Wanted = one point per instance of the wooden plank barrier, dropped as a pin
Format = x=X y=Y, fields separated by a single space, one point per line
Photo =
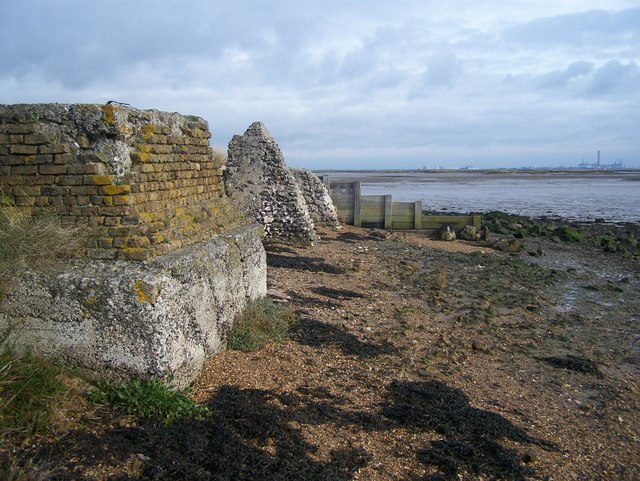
x=380 y=211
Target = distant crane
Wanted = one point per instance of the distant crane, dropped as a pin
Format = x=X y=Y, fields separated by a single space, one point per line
x=615 y=165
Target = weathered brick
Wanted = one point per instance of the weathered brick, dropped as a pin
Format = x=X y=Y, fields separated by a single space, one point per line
x=99 y=179
x=120 y=230
x=70 y=180
x=134 y=253
x=69 y=200
x=141 y=157
x=20 y=200
x=87 y=190
x=11 y=160
x=20 y=128
x=157 y=238
x=55 y=190
x=86 y=211
x=91 y=168
x=63 y=158
x=52 y=169
x=24 y=170
x=55 y=149
x=83 y=200
x=55 y=201
x=104 y=242
x=114 y=189
x=20 y=149
x=122 y=200
x=36 y=139
x=26 y=191
x=110 y=211
x=130 y=220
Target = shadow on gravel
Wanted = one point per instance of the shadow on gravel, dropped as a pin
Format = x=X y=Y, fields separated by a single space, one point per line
x=311 y=332
x=353 y=238
x=272 y=248
x=339 y=294
x=264 y=435
x=250 y=438
x=301 y=300
x=573 y=363
x=471 y=445
x=300 y=263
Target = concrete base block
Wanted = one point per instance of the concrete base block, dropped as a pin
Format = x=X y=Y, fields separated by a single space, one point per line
x=116 y=319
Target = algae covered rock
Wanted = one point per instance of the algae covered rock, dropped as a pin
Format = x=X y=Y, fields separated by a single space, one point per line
x=470 y=233
x=446 y=233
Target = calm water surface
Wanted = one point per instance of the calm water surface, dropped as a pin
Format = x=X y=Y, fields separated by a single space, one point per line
x=583 y=196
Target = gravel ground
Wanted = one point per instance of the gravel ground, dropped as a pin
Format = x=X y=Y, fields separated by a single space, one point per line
x=411 y=359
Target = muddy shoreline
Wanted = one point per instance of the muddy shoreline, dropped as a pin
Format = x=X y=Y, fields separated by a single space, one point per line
x=411 y=359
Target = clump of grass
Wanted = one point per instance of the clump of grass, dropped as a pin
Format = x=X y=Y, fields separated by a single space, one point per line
x=149 y=399
x=33 y=239
x=30 y=391
x=262 y=321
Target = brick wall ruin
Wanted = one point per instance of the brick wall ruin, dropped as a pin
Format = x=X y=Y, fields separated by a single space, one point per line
x=170 y=260
x=144 y=182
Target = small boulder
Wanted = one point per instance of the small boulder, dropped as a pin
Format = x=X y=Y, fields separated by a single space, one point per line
x=446 y=233
x=470 y=233
x=510 y=245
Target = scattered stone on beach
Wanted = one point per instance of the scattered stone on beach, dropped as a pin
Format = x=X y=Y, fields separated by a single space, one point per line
x=508 y=245
x=446 y=233
x=470 y=233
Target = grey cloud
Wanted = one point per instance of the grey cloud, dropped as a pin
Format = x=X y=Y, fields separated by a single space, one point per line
x=579 y=29
x=615 y=78
x=559 y=78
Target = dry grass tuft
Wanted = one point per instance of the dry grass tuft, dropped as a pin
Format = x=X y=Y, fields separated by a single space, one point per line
x=34 y=239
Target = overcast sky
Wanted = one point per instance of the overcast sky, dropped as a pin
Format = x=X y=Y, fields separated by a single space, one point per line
x=351 y=84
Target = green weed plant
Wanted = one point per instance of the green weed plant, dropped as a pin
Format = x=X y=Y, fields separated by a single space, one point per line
x=149 y=399
x=261 y=322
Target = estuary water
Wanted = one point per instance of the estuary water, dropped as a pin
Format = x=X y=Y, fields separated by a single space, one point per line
x=581 y=196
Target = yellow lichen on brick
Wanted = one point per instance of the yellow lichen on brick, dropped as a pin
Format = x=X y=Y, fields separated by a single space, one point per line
x=122 y=200
x=145 y=217
x=146 y=292
x=115 y=189
x=102 y=179
x=147 y=131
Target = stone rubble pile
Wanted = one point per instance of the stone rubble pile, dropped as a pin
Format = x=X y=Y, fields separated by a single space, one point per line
x=316 y=195
x=259 y=181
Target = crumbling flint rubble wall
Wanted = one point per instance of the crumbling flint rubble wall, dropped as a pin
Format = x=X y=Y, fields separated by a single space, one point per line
x=287 y=202
x=170 y=260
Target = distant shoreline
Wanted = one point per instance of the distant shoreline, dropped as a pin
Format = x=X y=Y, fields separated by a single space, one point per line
x=479 y=171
